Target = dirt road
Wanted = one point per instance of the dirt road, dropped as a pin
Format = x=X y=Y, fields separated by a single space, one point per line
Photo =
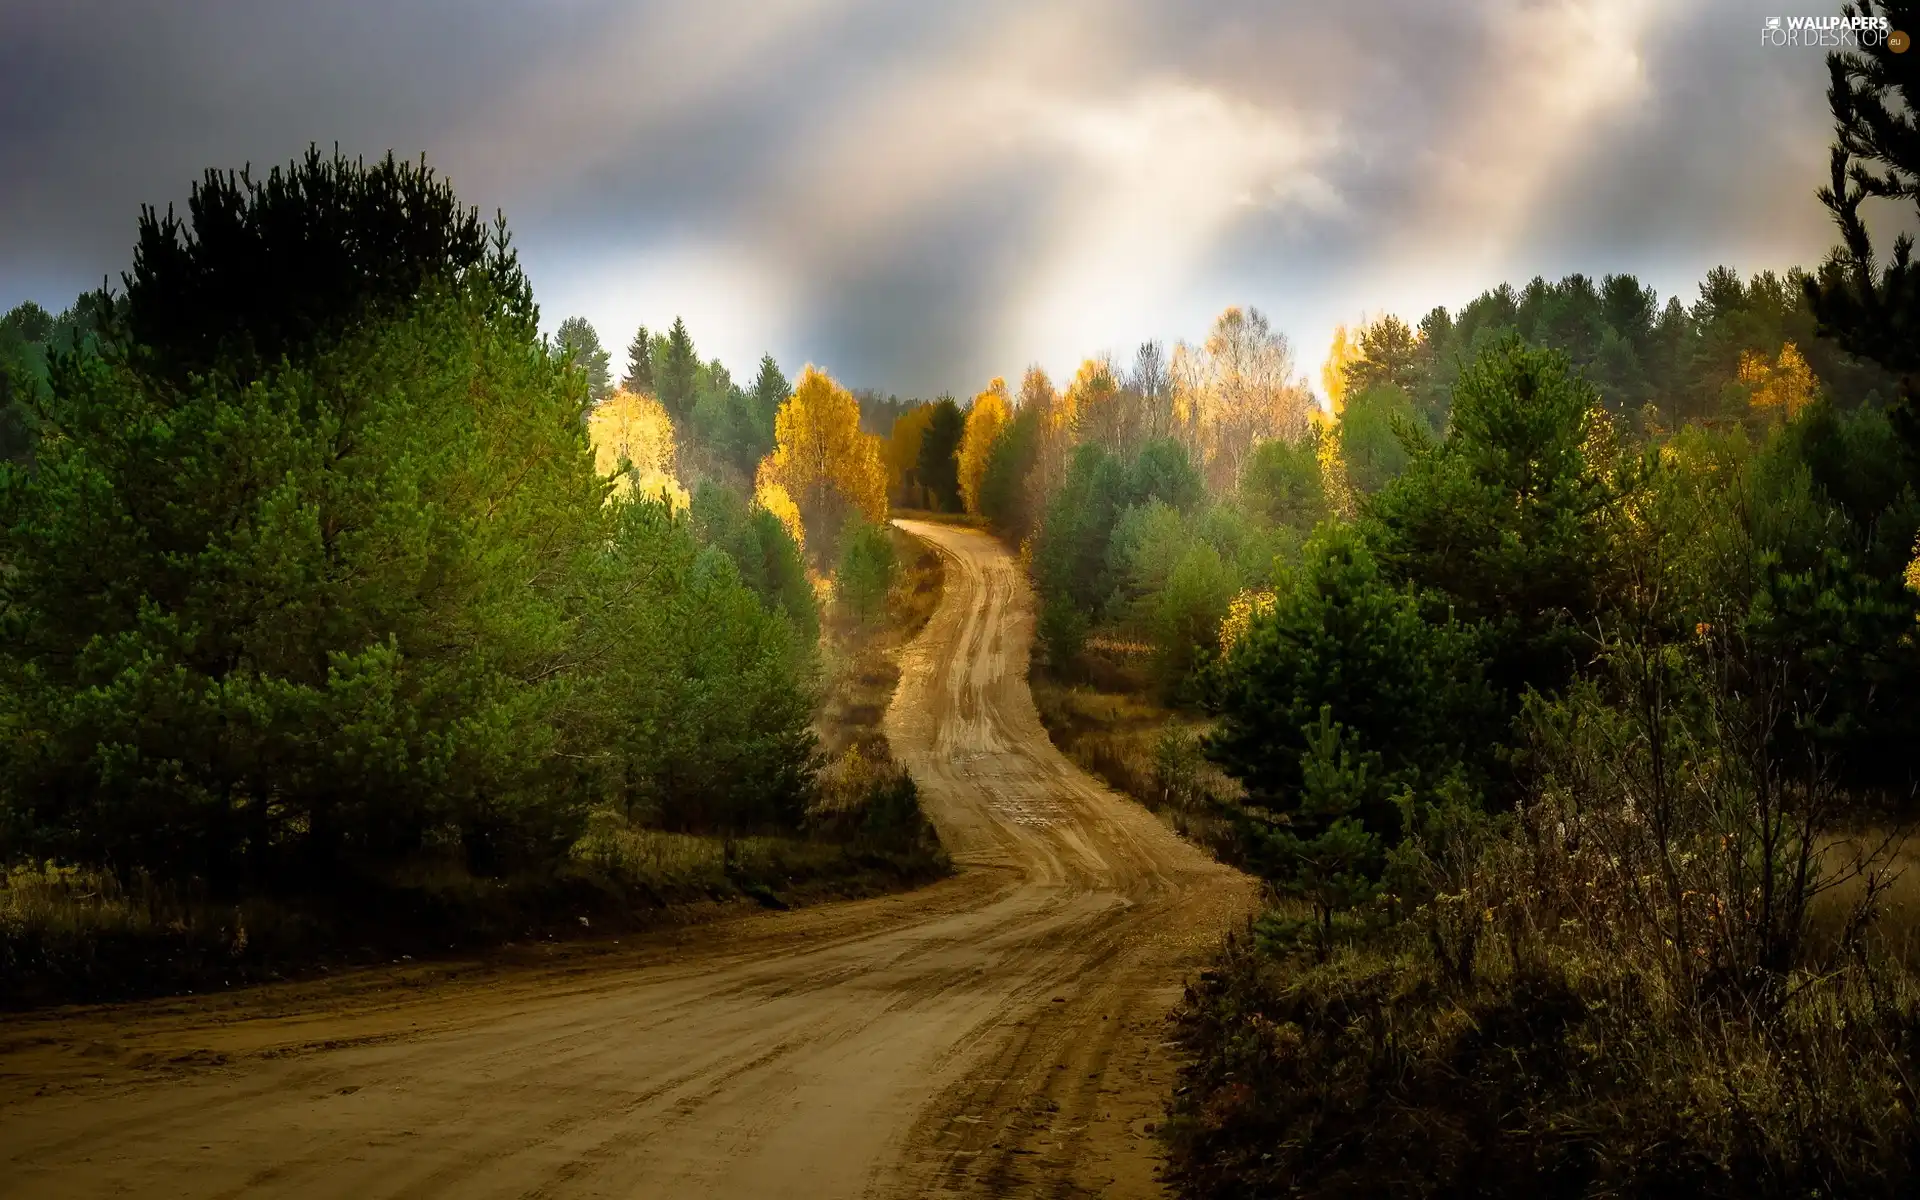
x=999 y=1033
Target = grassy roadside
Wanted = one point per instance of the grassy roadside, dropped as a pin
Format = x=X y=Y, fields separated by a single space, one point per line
x=72 y=935
x=1551 y=1067
x=1109 y=722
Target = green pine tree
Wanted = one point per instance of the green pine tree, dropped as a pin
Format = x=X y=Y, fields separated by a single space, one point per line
x=675 y=373
x=639 y=376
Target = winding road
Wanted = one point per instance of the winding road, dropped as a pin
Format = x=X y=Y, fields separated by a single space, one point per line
x=998 y=1033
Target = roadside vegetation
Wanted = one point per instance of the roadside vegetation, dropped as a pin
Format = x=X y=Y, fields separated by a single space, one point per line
x=1560 y=678
x=344 y=615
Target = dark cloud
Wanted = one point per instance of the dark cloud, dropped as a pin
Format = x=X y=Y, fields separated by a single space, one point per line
x=921 y=196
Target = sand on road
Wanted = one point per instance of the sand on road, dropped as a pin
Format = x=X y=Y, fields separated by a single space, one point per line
x=998 y=1033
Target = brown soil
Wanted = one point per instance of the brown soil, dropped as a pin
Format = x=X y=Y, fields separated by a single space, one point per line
x=998 y=1033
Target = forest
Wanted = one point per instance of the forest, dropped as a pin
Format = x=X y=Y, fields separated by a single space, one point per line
x=1559 y=678
x=342 y=607
x=1553 y=665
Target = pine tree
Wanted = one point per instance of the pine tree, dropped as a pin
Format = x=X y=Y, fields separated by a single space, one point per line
x=283 y=267
x=675 y=371
x=939 y=454
x=577 y=342
x=639 y=377
x=1874 y=310
x=1322 y=850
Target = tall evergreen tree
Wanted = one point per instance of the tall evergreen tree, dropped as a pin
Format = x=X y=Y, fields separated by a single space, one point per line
x=283 y=267
x=939 y=454
x=577 y=342
x=770 y=387
x=639 y=376
x=1871 y=309
x=1388 y=355
x=675 y=372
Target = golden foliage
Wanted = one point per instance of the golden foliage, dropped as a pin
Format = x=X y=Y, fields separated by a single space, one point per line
x=1036 y=392
x=1333 y=373
x=1237 y=390
x=1037 y=395
x=1241 y=611
x=1913 y=568
x=633 y=442
x=1781 y=389
x=1335 y=479
x=822 y=461
x=902 y=453
x=773 y=498
x=985 y=420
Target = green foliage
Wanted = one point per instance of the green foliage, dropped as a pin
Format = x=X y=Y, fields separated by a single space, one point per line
x=1375 y=427
x=675 y=367
x=1070 y=554
x=1832 y=525
x=1507 y=517
x=1186 y=616
x=939 y=463
x=1003 y=489
x=1404 y=684
x=702 y=694
x=319 y=582
x=289 y=640
x=1082 y=570
x=866 y=571
x=770 y=389
x=736 y=422
x=768 y=560
x=23 y=333
x=578 y=345
x=263 y=269
x=1872 y=304
x=1322 y=850
x=1061 y=631
x=1388 y=357
x=1163 y=471
x=639 y=376
x=1282 y=484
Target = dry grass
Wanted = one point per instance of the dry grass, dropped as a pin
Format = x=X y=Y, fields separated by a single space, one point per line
x=1117 y=732
x=1895 y=932
x=1580 y=1077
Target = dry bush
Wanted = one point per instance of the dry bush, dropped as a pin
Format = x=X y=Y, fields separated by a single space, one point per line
x=1582 y=1077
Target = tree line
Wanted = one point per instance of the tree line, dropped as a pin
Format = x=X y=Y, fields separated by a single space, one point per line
x=318 y=563
x=1559 y=677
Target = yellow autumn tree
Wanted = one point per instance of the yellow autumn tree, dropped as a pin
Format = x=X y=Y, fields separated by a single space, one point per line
x=823 y=464
x=1333 y=372
x=1778 y=390
x=1102 y=413
x=774 y=499
x=633 y=442
x=985 y=420
x=902 y=456
x=1054 y=421
x=1236 y=390
x=1335 y=478
x=1913 y=568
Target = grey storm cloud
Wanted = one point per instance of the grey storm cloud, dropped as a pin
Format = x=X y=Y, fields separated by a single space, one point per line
x=920 y=196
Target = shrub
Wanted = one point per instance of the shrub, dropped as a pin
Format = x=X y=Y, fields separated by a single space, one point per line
x=1405 y=685
x=866 y=572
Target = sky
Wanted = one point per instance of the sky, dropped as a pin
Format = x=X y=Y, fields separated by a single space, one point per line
x=919 y=196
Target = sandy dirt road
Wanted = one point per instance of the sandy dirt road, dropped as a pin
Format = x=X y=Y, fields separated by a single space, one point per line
x=999 y=1033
